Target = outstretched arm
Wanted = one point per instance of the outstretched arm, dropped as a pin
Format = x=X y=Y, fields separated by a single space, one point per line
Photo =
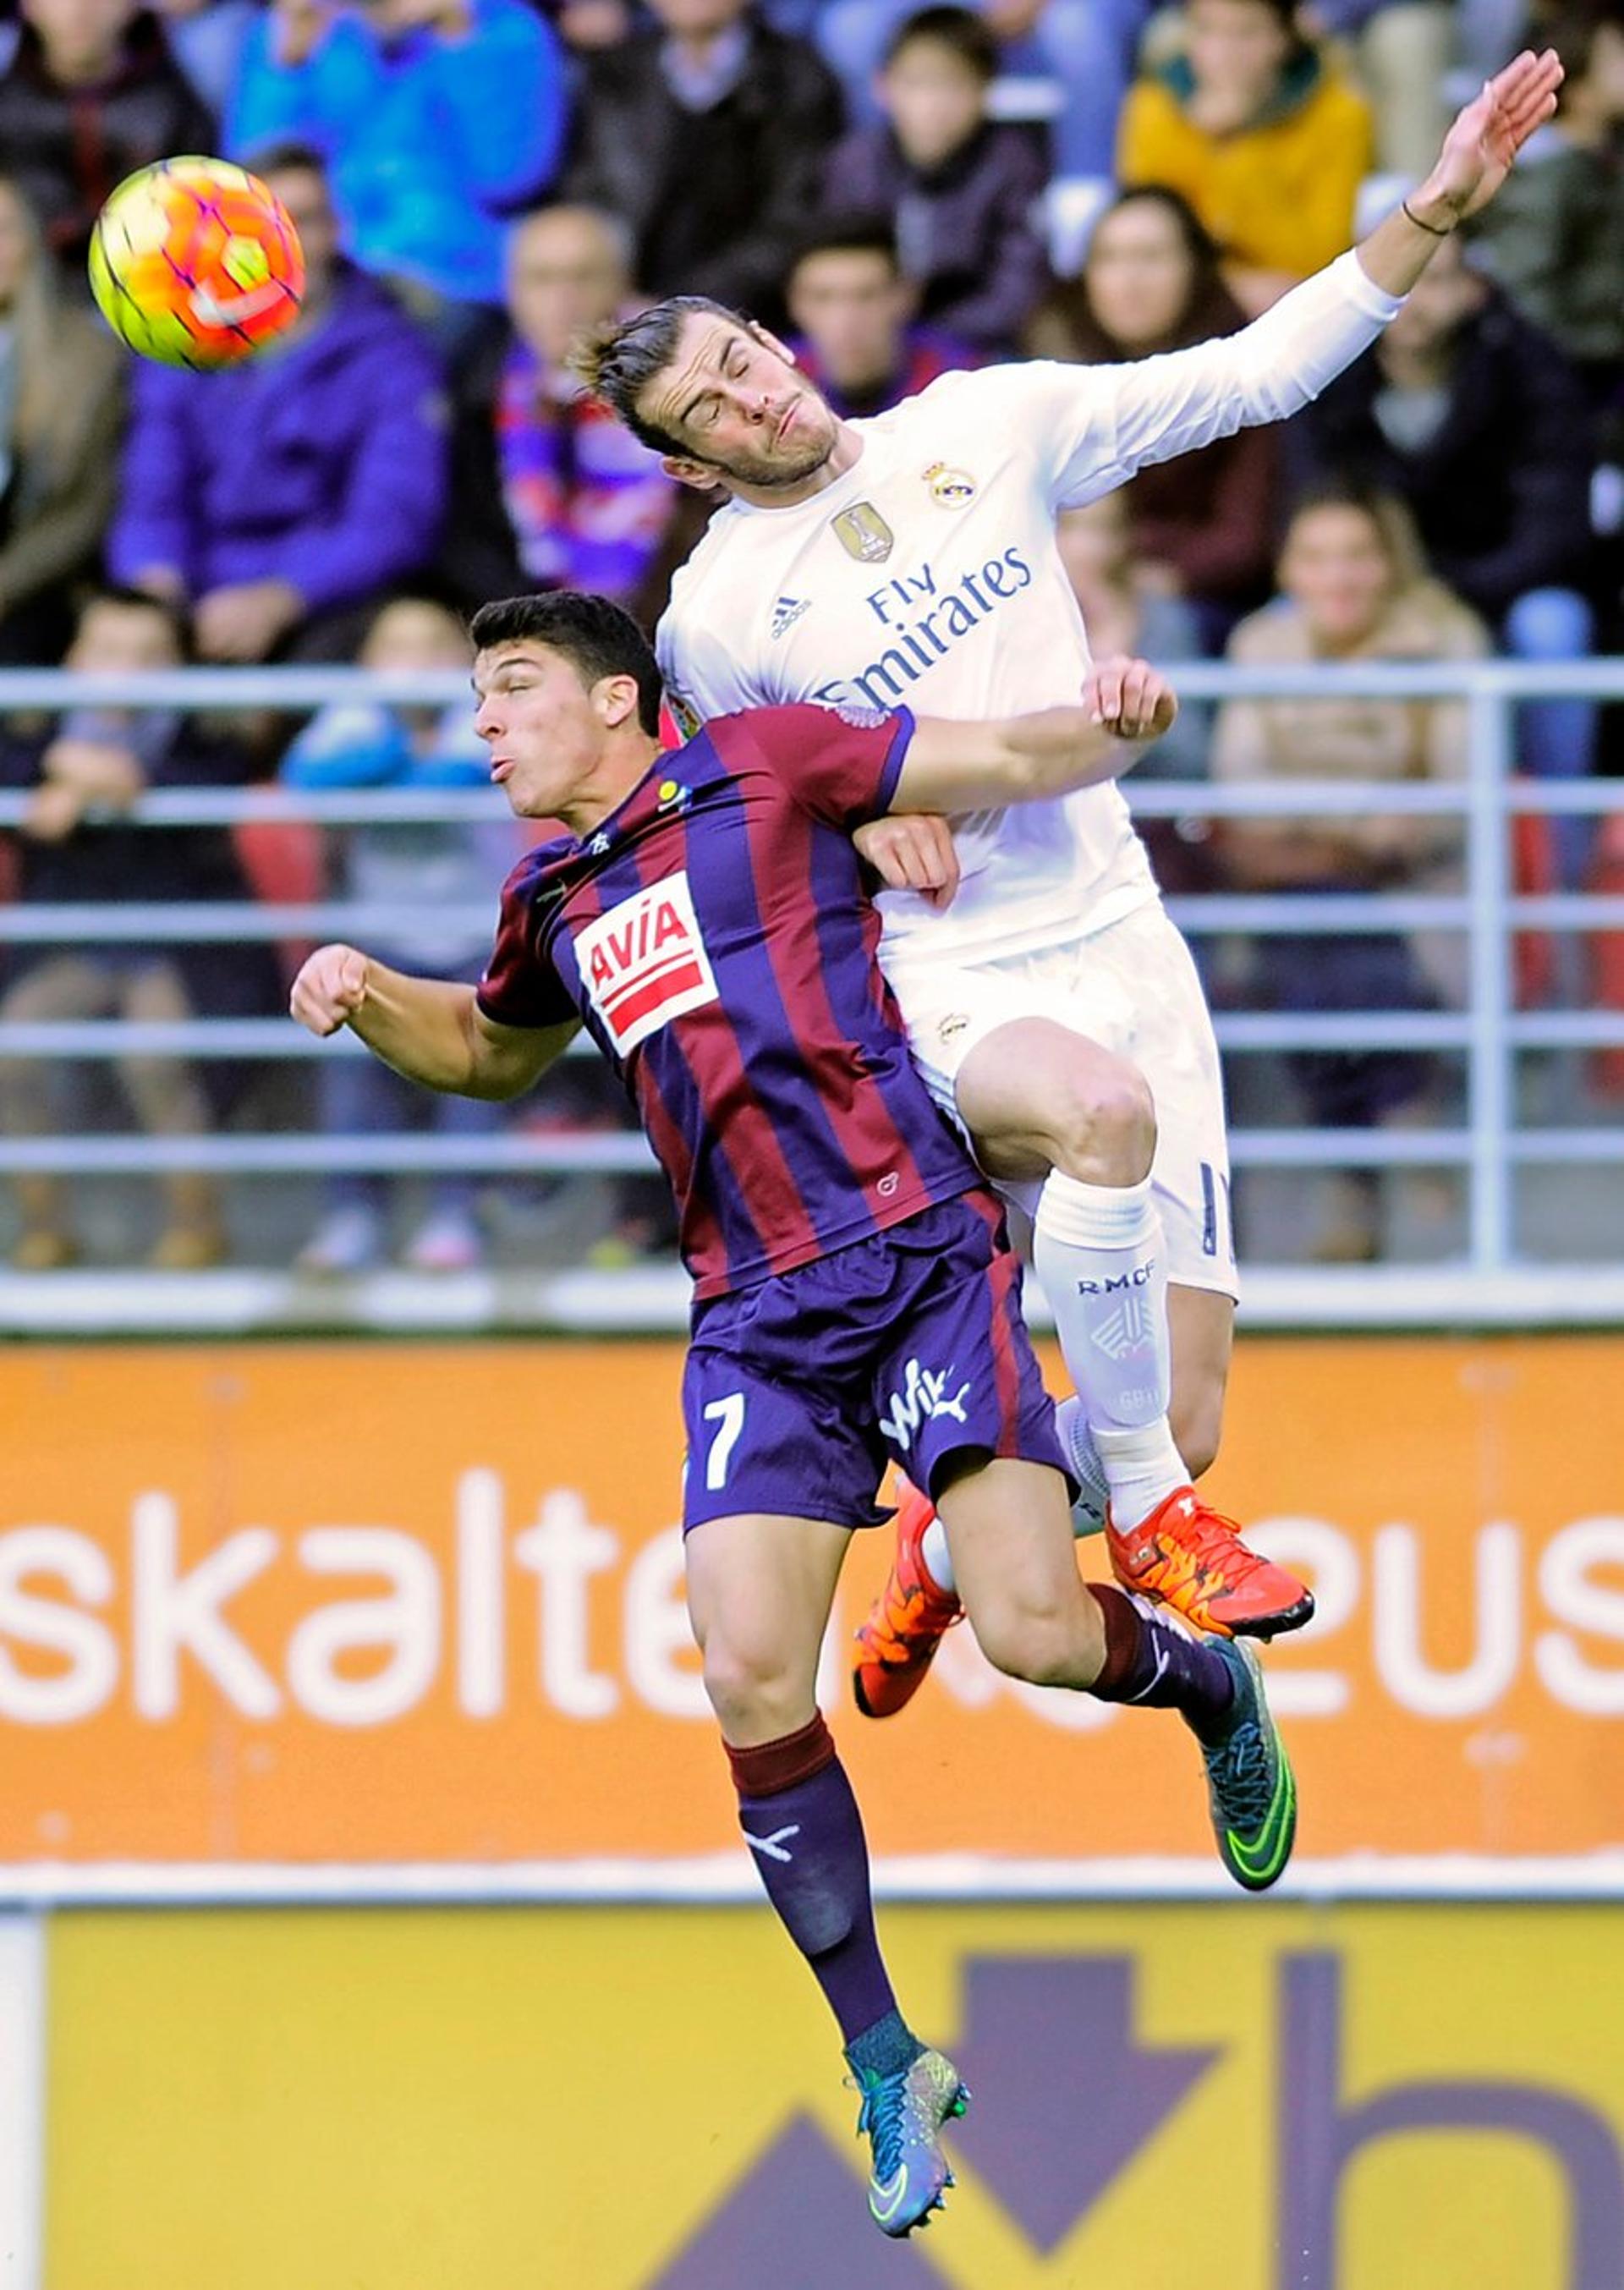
x=1095 y=426
x=431 y=1031
x=958 y=767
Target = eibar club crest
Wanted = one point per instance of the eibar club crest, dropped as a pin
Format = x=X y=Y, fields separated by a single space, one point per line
x=951 y=488
x=864 y=533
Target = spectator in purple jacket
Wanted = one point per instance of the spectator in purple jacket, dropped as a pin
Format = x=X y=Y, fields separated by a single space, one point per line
x=280 y=498
x=959 y=188
x=91 y=93
x=852 y=311
x=549 y=490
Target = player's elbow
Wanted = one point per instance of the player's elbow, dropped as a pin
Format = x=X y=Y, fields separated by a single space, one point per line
x=1044 y=756
x=496 y=1078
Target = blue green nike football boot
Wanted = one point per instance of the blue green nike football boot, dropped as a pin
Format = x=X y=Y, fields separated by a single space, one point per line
x=901 y=2117
x=1250 y=1785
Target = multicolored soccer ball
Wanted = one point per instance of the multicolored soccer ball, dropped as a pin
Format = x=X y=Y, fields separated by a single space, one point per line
x=195 y=262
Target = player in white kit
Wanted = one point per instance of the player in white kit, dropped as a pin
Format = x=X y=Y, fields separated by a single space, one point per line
x=911 y=560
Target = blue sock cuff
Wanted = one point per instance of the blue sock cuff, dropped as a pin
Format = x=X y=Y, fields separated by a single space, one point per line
x=890 y=2047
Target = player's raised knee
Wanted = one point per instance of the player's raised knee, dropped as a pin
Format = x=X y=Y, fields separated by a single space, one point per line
x=1104 y=1120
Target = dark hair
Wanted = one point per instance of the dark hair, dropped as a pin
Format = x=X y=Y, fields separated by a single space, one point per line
x=175 y=615
x=1285 y=14
x=1199 y=243
x=618 y=362
x=1065 y=325
x=288 y=157
x=1385 y=513
x=961 y=30
x=594 y=636
x=846 y=234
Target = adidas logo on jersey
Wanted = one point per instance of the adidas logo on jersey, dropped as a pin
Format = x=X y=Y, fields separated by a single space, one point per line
x=786 y=612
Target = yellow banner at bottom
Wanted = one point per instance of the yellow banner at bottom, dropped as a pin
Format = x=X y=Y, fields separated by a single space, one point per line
x=1255 y=2097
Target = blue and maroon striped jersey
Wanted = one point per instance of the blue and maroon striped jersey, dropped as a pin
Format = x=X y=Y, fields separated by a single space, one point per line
x=714 y=936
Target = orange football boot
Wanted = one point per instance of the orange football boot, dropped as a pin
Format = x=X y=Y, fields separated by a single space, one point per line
x=907 y=1622
x=1194 y=1561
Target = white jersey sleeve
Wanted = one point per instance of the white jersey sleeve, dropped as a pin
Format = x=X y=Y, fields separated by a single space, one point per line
x=1093 y=427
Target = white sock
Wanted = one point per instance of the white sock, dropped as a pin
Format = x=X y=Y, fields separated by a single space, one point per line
x=1143 y=1468
x=1099 y=1252
x=938 y=1560
x=1077 y=1447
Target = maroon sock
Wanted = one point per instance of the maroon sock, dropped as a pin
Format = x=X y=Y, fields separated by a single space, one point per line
x=801 y=1819
x=1153 y=1662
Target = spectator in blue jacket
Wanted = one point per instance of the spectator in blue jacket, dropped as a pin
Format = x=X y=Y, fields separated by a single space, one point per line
x=437 y=118
x=280 y=497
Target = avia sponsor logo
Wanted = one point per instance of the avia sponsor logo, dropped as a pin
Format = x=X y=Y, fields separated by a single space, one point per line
x=645 y=962
x=924 y=619
x=923 y=1394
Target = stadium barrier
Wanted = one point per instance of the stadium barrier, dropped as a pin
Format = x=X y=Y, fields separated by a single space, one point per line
x=1491 y=1147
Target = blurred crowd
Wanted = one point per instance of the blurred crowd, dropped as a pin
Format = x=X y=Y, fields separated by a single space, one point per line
x=899 y=191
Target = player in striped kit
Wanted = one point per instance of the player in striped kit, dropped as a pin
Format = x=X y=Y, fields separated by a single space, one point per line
x=855 y=1291
x=1053 y=1010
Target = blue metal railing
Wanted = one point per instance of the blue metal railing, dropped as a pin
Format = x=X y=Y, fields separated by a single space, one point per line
x=1489 y=1033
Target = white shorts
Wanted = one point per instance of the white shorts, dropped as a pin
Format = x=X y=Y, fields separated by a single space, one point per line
x=1133 y=988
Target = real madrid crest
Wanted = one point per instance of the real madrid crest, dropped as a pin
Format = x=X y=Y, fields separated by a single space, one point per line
x=949 y=488
x=864 y=533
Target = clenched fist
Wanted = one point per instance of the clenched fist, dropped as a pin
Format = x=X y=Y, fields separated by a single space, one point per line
x=329 y=989
x=912 y=852
x=1129 y=698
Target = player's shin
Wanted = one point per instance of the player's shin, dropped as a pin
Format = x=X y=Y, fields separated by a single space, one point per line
x=1152 y=1660
x=1099 y=1252
x=801 y=1820
x=801 y=1824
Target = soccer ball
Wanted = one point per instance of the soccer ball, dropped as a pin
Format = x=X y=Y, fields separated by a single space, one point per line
x=195 y=262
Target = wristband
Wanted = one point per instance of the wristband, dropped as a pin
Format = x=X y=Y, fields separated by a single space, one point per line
x=1430 y=228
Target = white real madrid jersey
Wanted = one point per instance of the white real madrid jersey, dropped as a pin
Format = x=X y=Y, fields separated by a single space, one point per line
x=928 y=576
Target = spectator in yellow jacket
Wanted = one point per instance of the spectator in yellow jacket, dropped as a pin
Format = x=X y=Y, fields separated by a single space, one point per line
x=1262 y=135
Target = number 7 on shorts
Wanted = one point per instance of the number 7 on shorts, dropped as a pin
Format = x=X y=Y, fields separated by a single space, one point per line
x=727 y=1414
